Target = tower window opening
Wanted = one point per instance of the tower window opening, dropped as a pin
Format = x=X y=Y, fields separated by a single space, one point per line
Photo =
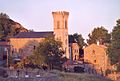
x=58 y=24
x=65 y=24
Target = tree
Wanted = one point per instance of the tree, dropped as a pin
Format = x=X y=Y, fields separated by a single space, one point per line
x=99 y=34
x=4 y=15
x=77 y=38
x=114 y=48
x=28 y=48
x=48 y=52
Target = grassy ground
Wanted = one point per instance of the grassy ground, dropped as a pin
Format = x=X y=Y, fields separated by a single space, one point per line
x=79 y=77
x=61 y=76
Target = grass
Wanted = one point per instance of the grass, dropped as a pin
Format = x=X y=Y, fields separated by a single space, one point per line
x=78 y=77
x=62 y=76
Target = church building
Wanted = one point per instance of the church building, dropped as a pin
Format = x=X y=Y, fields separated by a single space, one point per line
x=60 y=20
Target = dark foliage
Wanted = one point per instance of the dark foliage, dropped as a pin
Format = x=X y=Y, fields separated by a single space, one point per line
x=99 y=34
x=8 y=27
x=114 y=47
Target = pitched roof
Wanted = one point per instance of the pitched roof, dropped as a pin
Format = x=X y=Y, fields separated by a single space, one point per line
x=33 y=35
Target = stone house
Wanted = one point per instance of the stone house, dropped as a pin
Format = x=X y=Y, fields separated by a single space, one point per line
x=73 y=49
x=97 y=56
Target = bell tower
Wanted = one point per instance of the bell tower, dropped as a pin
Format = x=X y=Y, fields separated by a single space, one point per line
x=60 y=19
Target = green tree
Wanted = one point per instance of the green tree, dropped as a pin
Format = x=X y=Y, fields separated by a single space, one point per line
x=77 y=38
x=99 y=34
x=114 y=48
x=32 y=53
x=48 y=52
x=28 y=48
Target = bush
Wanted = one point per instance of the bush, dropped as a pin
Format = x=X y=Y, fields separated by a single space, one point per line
x=3 y=73
x=78 y=69
x=108 y=71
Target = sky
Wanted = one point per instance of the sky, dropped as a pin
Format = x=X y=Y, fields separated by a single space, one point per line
x=84 y=15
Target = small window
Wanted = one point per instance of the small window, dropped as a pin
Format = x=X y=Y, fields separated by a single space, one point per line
x=94 y=61
x=75 y=57
x=34 y=47
x=93 y=51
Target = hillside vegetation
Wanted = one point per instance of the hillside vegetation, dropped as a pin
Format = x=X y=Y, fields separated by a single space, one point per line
x=9 y=28
x=59 y=76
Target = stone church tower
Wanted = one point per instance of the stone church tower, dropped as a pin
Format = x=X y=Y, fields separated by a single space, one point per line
x=61 y=29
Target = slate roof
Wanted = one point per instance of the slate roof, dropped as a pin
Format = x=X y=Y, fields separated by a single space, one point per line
x=33 y=35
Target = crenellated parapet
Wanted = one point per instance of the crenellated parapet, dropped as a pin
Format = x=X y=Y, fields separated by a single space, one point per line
x=60 y=12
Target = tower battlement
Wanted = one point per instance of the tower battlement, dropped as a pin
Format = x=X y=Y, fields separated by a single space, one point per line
x=61 y=12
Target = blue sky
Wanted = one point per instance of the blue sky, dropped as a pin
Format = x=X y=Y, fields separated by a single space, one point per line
x=84 y=16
